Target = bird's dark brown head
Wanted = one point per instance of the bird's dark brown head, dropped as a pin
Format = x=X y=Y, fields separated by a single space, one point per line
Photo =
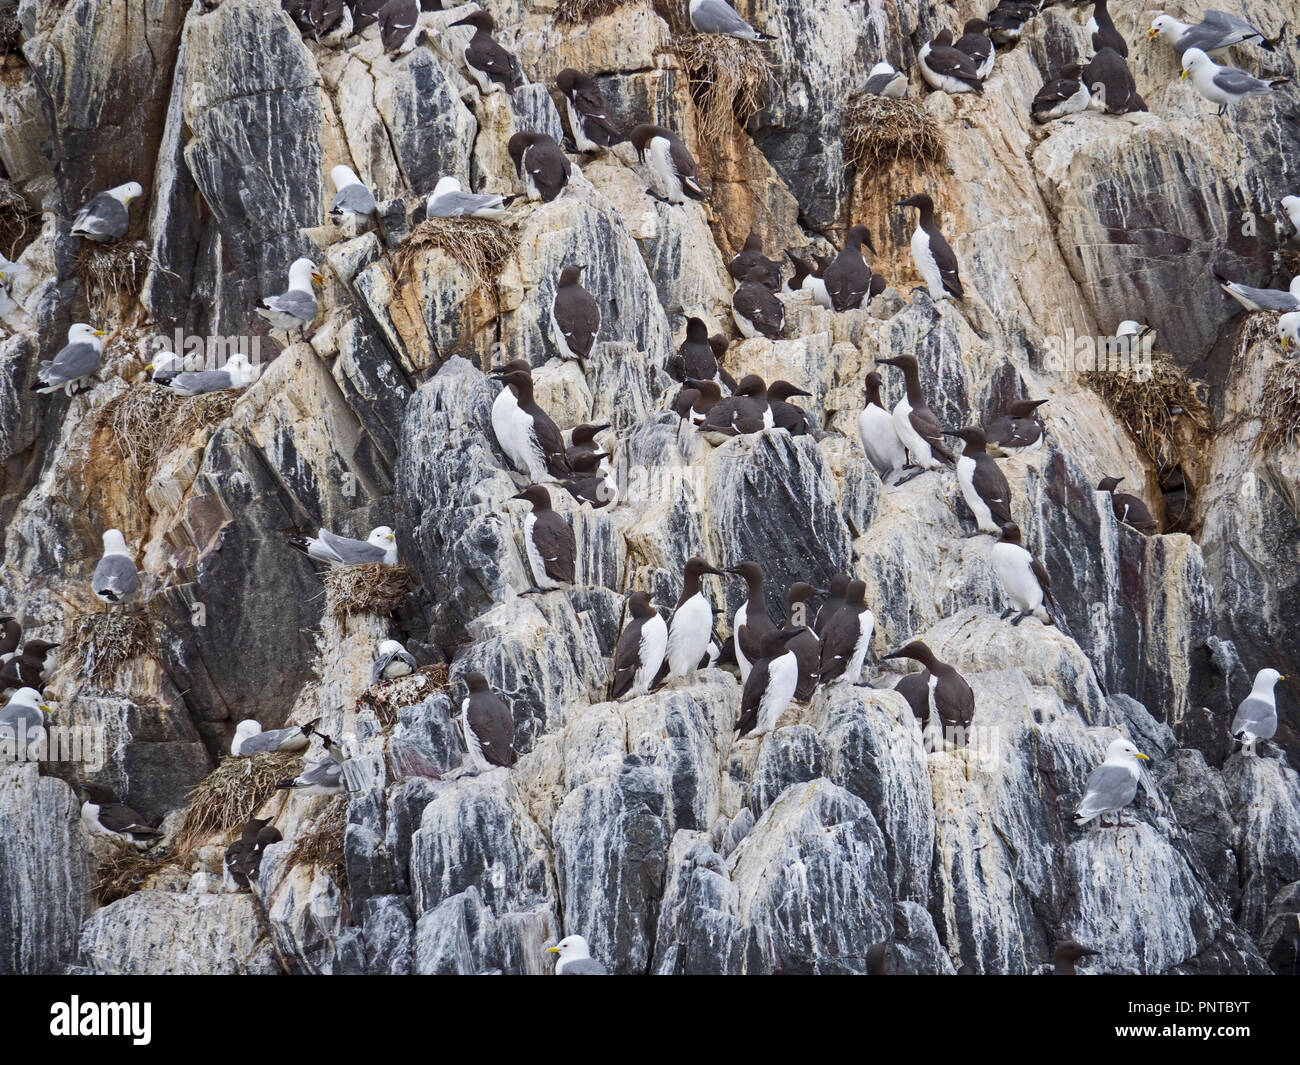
x=975 y=25
x=538 y=496
x=860 y=235
x=719 y=343
x=697 y=331
x=475 y=682
x=1072 y=71
x=643 y=134
x=480 y=20
x=840 y=584
x=917 y=651
x=586 y=434
x=521 y=365
x=1023 y=408
x=903 y=362
x=751 y=385
x=1109 y=484
x=1010 y=533
x=751 y=571
x=943 y=40
x=569 y=79
x=697 y=567
x=973 y=436
x=856 y=593
x=1069 y=952
x=571 y=273
x=920 y=200
x=780 y=390
x=753 y=242
x=639 y=605
x=800 y=592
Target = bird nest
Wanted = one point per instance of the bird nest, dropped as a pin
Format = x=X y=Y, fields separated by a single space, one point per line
x=125 y=870
x=1280 y=409
x=113 y=274
x=582 y=10
x=371 y=588
x=482 y=246
x=1155 y=401
x=11 y=32
x=103 y=642
x=16 y=220
x=387 y=697
x=878 y=131
x=321 y=846
x=231 y=794
x=729 y=79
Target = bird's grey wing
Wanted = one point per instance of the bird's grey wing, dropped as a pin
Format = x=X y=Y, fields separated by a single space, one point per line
x=1251 y=714
x=1269 y=299
x=326 y=773
x=1232 y=80
x=356 y=198
x=713 y=16
x=351 y=552
x=300 y=305
x=102 y=216
x=268 y=741
x=584 y=967
x=1221 y=20
x=117 y=576
x=198 y=382
x=12 y=716
x=1110 y=787
x=76 y=360
x=381 y=664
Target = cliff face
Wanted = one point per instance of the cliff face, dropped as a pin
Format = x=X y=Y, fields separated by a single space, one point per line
x=643 y=825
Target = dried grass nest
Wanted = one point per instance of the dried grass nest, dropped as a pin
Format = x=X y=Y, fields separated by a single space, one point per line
x=321 y=845
x=104 y=641
x=113 y=274
x=126 y=869
x=1151 y=400
x=370 y=588
x=482 y=246
x=1280 y=408
x=387 y=697
x=229 y=796
x=582 y=10
x=878 y=131
x=729 y=80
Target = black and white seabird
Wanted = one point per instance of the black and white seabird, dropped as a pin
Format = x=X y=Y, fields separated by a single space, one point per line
x=589 y=115
x=951 y=698
x=916 y=424
x=786 y=415
x=915 y=688
x=1112 y=785
x=806 y=644
x=1024 y=578
x=1006 y=22
x=1017 y=430
x=115 y=580
x=1127 y=508
x=488 y=726
x=769 y=685
x=29 y=668
x=696 y=399
x=756 y=308
x=751 y=622
x=582 y=441
x=353 y=199
x=931 y=253
x=1102 y=27
x=330 y=20
x=690 y=628
x=983 y=485
x=527 y=434
x=944 y=67
x=392 y=660
x=1066 y=954
x=1256 y=717
x=848 y=277
x=76 y=362
x=1216 y=31
x=103 y=813
x=1111 y=82
x=592 y=481
x=808 y=278
x=11 y=635
x=398 y=24
x=696 y=357
x=365 y=13
x=669 y=161
x=541 y=164
x=1261 y=299
x=1065 y=95
x=975 y=43
x=548 y=541
x=575 y=316
x=575 y=958
x=640 y=650
x=244 y=856
x=751 y=256
x=847 y=638
x=334 y=550
x=838 y=589
x=717 y=16
x=250 y=739
x=106 y=217
x=884 y=80
x=1222 y=85
x=490 y=65
x=878 y=433
x=745 y=411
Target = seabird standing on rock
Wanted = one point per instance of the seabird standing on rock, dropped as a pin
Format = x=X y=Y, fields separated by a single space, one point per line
x=104 y=814
x=589 y=116
x=983 y=485
x=1224 y=86
x=449 y=200
x=878 y=433
x=808 y=278
x=365 y=13
x=1007 y=21
x=944 y=67
x=695 y=358
x=575 y=958
x=526 y=433
x=1262 y=299
x=974 y=42
x=1111 y=82
x=1112 y=785
x=295 y=308
x=1128 y=509
x=931 y=253
x=75 y=364
x=1024 y=578
x=592 y=481
x=951 y=698
x=751 y=256
x=541 y=164
x=1102 y=26
x=751 y=622
x=769 y=685
x=353 y=198
x=115 y=580
x=24 y=716
x=847 y=637
x=917 y=426
x=487 y=62
x=398 y=21
x=745 y=411
x=640 y=650
x=884 y=80
x=756 y=308
x=848 y=277
x=488 y=726
x=717 y=16
x=838 y=589
x=330 y=20
x=392 y=660
x=548 y=541
x=695 y=399
x=250 y=739
x=244 y=856
x=690 y=628
x=805 y=644
x=107 y=217
x=323 y=777
x=1256 y=717
x=1019 y=429
x=237 y=373
x=575 y=316
x=1066 y=954
x=582 y=441
x=325 y=546
x=1065 y=95
x=915 y=688
x=28 y=669
x=669 y=161
x=1288 y=331
x=786 y=415
x=1217 y=31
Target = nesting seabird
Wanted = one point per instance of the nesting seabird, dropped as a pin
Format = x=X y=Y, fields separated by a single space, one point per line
x=244 y=856
x=1288 y=330
x=449 y=200
x=884 y=80
x=322 y=777
x=878 y=433
x=575 y=316
x=975 y=43
x=669 y=161
x=107 y=217
x=917 y=426
x=575 y=958
x=745 y=411
x=250 y=739
x=915 y=688
x=488 y=726
x=690 y=628
x=589 y=115
x=1112 y=785
x=640 y=650
x=582 y=441
x=237 y=373
x=541 y=164
x=103 y=813
x=1006 y=22
x=769 y=684
x=756 y=308
x=847 y=637
x=1065 y=95
x=1102 y=27
x=931 y=253
x=353 y=199
x=717 y=16
x=695 y=400
x=334 y=550
x=1024 y=578
x=696 y=357
x=526 y=433
x=166 y=365
x=490 y=65
x=786 y=415
x=1018 y=429
x=1110 y=82
x=951 y=698
x=296 y=307
x=392 y=660
x=398 y=24
x=751 y=256
x=1262 y=299
x=1066 y=954
x=983 y=485
x=838 y=589
x=944 y=67
x=1127 y=508
x=805 y=644
x=548 y=541
x=76 y=363
x=28 y=668
x=23 y=717
x=1216 y=31
x=330 y=21
x=807 y=277
x=592 y=480
x=115 y=580
x=1223 y=85
x=365 y=13
x=751 y=622
x=848 y=277
x=1256 y=717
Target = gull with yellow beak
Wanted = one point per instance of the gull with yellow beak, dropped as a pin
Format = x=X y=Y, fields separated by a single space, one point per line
x=296 y=308
x=22 y=721
x=325 y=546
x=1222 y=85
x=1288 y=331
x=1256 y=717
x=575 y=958
x=107 y=217
x=1113 y=784
x=76 y=362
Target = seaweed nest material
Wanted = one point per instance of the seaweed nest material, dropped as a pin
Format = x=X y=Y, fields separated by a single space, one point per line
x=104 y=641
x=16 y=220
x=1280 y=409
x=582 y=10
x=387 y=697
x=113 y=273
x=878 y=131
x=1156 y=401
x=125 y=870
x=482 y=246
x=729 y=80
x=371 y=588
x=321 y=845
x=228 y=796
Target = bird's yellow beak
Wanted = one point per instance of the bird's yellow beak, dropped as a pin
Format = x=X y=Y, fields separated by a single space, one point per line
x=552 y=950
x=46 y=709
x=101 y=333
x=318 y=279
x=1284 y=343
x=1152 y=34
x=1183 y=75
x=149 y=368
x=1143 y=757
